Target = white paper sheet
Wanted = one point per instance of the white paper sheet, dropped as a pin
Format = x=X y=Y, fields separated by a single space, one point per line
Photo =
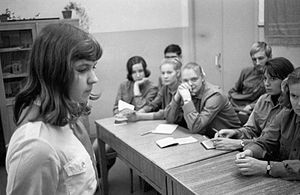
x=165 y=129
x=169 y=141
x=122 y=105
x=186 y=140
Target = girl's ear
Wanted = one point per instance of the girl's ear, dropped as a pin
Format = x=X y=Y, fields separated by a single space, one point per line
x=178 y=73
x=284 y=86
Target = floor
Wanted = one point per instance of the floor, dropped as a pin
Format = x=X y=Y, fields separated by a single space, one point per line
x=119 y=181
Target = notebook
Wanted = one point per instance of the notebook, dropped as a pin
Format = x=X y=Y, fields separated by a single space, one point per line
x=170 y=141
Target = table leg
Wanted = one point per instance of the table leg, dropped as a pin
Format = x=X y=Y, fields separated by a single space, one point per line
x=169 y=185
x=103 y=167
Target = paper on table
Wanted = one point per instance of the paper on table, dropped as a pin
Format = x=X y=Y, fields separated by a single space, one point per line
x=120 y=120
x=186 y=140
x=168 y=141
x=122 y=105
x=208 y=144
x=164 y=129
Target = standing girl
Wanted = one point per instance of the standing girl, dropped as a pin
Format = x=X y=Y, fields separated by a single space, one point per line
x=50 y=152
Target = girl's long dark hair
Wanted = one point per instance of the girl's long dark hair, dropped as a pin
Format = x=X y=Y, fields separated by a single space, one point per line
x=50 y=63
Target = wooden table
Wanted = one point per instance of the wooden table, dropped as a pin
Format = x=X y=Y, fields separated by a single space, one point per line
x=143 y=155
x=219 y=175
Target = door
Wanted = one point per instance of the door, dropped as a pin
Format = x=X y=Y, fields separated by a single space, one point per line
x=224 y=33
x=208 y=38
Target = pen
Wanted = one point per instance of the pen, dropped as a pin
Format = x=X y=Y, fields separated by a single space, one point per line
x=147 y=132
x=216 y=131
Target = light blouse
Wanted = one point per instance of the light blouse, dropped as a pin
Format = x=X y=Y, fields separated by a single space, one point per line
x=45 y=159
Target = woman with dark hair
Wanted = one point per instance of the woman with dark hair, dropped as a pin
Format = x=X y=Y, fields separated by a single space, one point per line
x=276 y=153
x=265 y=110
x=137 y=90
x=50 y=152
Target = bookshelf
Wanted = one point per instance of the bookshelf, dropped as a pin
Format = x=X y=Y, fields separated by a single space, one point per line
x=16 y=40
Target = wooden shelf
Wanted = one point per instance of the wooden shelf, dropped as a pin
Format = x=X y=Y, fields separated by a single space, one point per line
x=10 y=76
x=13 y=49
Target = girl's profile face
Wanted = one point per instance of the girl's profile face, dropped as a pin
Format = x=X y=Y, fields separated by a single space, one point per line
x=138 y=72
x=272 y=84
x=84 y=79
x=295 y=97
x=169 y=75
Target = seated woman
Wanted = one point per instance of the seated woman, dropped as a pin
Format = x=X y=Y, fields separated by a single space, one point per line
x=278 y=148
x=137 y=90
x=199 y=105
x=170 y=75
x=172 y=51
x=265 y=110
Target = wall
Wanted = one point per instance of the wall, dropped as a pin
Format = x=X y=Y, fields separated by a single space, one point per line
x=110 y=15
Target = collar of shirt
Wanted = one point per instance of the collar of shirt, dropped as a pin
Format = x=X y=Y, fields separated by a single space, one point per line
x=172 y=90
x=258 y=71
x=268 y=99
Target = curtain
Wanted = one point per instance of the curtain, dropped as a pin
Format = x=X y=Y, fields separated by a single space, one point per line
x=282 y=22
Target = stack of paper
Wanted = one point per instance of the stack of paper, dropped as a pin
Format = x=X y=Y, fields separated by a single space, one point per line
x=170 y=141
x=123 y=107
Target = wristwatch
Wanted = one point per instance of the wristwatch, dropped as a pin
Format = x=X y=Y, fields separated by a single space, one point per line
x=268 y=168
x=242 y=144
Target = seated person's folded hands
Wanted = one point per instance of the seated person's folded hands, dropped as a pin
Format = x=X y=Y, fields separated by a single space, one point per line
x=248 y=165
x=227 y=133
x=183 y=92
x=222 y=142
x=226 y=143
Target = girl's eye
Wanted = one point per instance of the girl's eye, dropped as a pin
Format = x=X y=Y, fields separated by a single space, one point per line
x=194 y=79
x=293 y=96
x=82 y=70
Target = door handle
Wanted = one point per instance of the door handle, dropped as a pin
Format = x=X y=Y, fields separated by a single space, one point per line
x=217 y=61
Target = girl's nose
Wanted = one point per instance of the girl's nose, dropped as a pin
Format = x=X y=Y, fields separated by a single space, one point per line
x=93 y=78
x=266 y=81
